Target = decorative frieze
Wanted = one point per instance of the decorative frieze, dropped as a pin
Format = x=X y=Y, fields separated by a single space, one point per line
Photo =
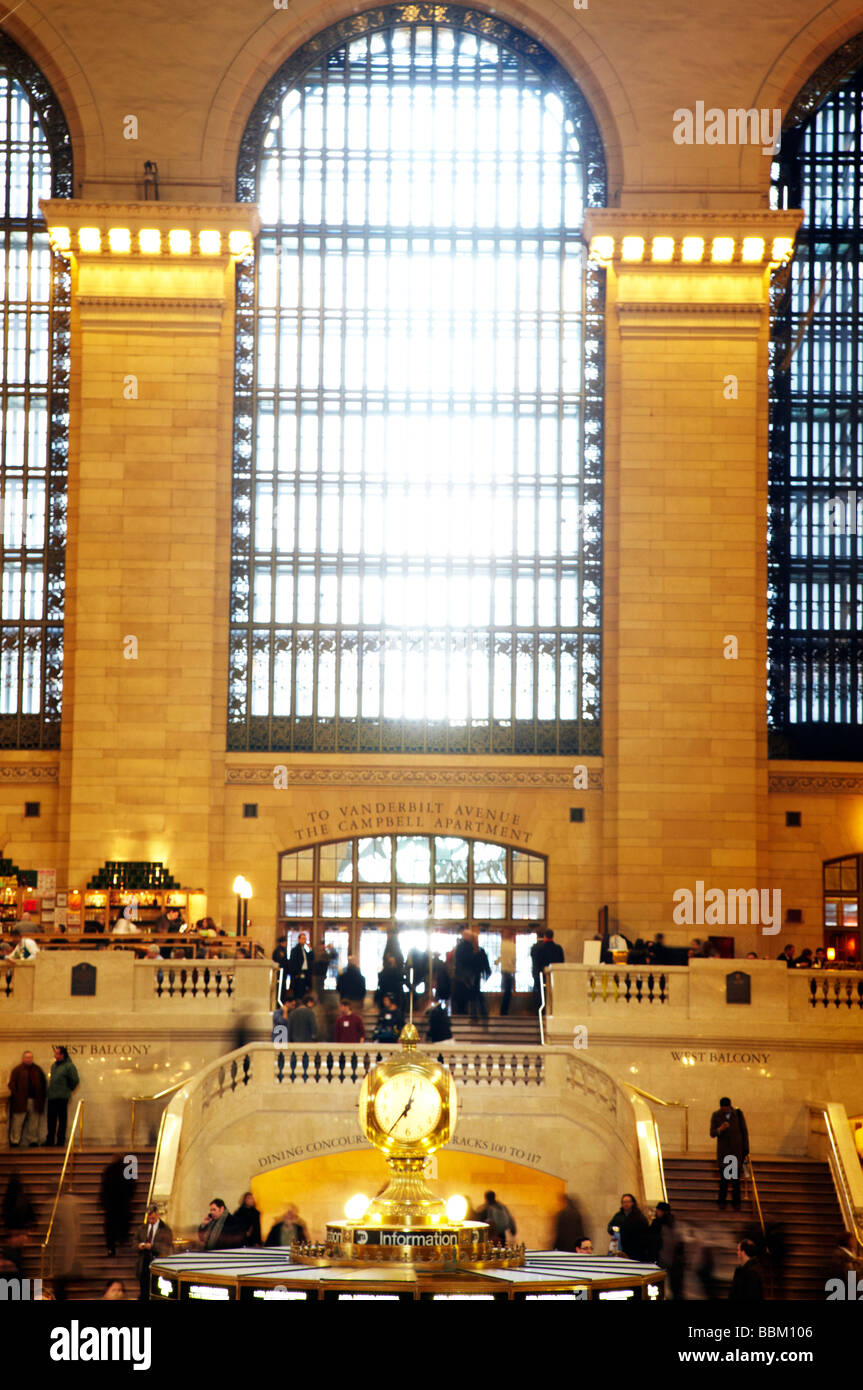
x=529 y=779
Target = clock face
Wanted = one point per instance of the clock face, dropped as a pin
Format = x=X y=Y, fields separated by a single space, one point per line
x=408 y=1107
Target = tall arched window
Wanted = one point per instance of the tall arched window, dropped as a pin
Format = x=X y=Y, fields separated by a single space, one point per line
x=37 y=163
x=816 y=456
x=416 y=529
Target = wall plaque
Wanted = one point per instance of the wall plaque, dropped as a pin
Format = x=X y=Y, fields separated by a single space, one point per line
x=83 y=979
x=738 y=988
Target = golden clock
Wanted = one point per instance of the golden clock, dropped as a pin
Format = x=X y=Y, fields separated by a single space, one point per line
x=408 y=1103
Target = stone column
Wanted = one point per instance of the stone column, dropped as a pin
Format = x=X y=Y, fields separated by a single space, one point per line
x=685 y=735
x=147 y=565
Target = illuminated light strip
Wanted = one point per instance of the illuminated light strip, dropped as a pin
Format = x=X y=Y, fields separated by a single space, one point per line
x=753 y=250
x=662 y=249
x=602 y=249
x=722 y=249
x=632 y=248
x=148 y=241
x=89 y=239
x=692 y=249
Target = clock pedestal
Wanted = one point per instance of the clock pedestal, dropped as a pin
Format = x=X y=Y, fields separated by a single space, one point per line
x=407 y=1109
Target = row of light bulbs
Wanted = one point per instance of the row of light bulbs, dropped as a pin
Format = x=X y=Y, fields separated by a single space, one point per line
x=692 y=250
x=149 y=241
x=357 y=1206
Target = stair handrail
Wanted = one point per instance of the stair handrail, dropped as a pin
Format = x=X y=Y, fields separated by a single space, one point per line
x=541 y=1007
x=755 y=1195
x=852 y=1210
x=670 y=1104
x=134 y=1100
x=68 y=1164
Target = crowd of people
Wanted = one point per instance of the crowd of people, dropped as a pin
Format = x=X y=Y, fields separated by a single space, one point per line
x=202 y=940
x=655 y=952
x=438 y=987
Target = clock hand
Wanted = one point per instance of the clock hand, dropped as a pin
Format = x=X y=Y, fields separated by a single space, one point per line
x=404 y=1112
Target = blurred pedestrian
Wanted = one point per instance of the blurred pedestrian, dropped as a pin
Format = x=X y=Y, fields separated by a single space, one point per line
x=116 y=1195
x=568 y=1225
x=506 y=961
x=438 y=1028
x=498 y=1217
x=666 y=1248
x=351 y=984
x=247 y=1220
x=289 y=1229
x=64 y=1246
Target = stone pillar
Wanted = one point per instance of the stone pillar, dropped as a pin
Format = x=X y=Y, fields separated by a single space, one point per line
x=147 y=565
x=685 y=738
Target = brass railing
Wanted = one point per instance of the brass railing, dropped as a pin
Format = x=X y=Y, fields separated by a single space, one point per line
x=137 y=1100
x=669 y=1104
x=68 y=1167
x=755 y=1196
x=850 y=1209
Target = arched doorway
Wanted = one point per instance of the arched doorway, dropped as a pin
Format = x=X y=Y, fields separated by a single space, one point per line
x=354 y=895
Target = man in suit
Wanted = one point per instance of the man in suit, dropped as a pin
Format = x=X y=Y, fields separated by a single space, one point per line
x=728 y=1128
x=300 y=967
x=154 y=1240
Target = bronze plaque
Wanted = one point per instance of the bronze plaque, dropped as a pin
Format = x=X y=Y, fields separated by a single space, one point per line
x=83 y=979
x=738 y=988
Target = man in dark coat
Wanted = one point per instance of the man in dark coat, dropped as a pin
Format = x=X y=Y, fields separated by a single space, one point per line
x=634 y=1230
x=300 y=967
x=728 y=1128
x=154 y=1240
x=27 y=1088
x=218 y=1230
x=302 y=1024
x=351 y=984
x=463 y=972
x=747 y=1286
x=437 y=1024
x=116 y=1194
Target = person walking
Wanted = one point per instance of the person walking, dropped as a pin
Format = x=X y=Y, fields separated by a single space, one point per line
x=506 y=962
x=351 y=984
x=62 y=1082
x=116 y=1194
x=498 y=1217
x=300 y=967
x=154 y=1239
x=247 y=1219
x=348 y=1027
x=28 y=1089
x=728 y=1128
x=666 y=1248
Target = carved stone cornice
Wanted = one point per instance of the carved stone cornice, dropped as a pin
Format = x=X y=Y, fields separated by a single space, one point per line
x=816 y=783
x=20 y=773
x=530 y=779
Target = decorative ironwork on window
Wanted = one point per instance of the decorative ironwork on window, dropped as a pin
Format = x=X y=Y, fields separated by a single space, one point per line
x=815 y=637
x=416 y=560
x=34 y=400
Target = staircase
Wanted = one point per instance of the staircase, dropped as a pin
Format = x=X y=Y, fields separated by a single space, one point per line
x=39 y=1170
x=798 y=1192
x=513 y=1030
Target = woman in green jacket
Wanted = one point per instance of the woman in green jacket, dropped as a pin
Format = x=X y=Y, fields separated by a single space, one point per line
x=61 y=1083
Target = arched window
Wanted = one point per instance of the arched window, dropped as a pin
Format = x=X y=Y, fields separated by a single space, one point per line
x=416 y=528
x=37 y=163
x=816 y=455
